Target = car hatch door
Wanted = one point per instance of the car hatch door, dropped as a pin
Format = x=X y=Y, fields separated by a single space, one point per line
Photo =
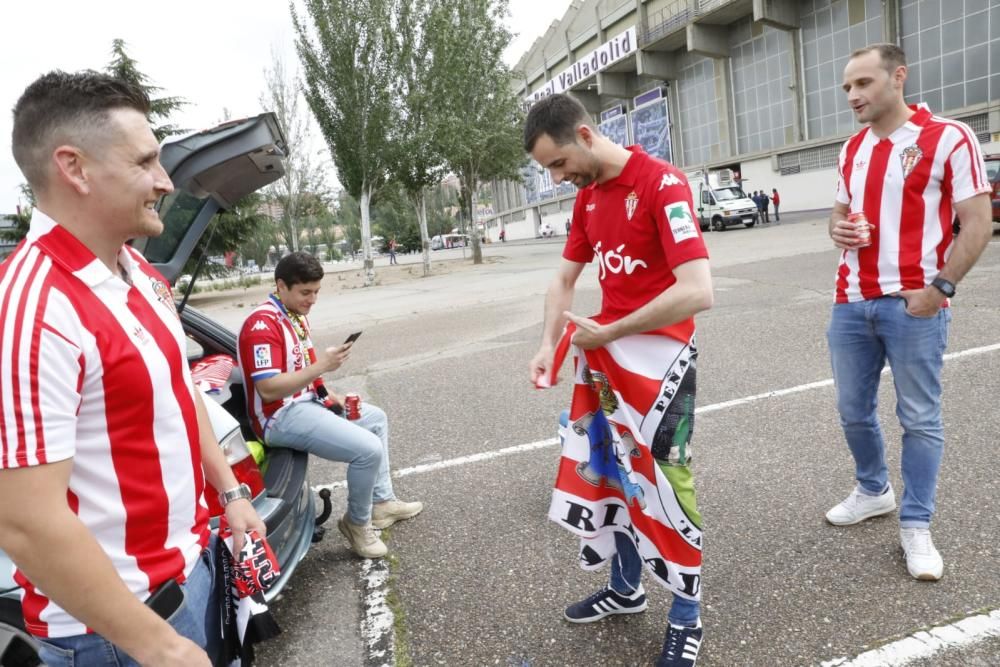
x=211 y=171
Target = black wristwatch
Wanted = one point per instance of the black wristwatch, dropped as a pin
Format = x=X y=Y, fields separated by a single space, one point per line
x=240 y=492
x=946 y=287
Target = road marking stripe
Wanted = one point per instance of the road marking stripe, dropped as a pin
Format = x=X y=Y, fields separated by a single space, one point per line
x=714 y=407
x=923 y=644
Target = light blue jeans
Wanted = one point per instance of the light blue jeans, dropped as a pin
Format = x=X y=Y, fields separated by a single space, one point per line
x=362 y=444
x=198 y=619
x=862 y=337
x=626 y=572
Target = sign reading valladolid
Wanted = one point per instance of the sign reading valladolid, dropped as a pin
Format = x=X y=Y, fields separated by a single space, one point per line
x=600 y=58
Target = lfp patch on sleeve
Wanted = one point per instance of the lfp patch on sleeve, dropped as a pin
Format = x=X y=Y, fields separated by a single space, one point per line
x=681 y=221
x=261 y=356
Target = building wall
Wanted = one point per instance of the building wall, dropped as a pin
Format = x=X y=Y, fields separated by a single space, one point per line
x=773 y=83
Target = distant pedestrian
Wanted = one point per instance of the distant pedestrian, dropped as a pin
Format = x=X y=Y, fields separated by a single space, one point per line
x=503 y=236
x=777 y=201
x=760 y=206
x=765 y=205
x=392 y=251
x=568 y=225
x=908 y=172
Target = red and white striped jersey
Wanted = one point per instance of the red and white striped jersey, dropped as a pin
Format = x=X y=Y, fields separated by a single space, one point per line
x=906 y=185
x=94 y=370
x=267 y=346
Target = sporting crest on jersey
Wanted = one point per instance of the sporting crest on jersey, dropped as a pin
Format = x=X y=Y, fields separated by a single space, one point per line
x=909 y=158
x=162 y=293
x=631 y=202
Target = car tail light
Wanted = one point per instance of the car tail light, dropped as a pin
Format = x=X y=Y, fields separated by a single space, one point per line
x=244 y=467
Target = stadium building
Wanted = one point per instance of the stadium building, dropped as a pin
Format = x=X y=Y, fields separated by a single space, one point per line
x=749 y=86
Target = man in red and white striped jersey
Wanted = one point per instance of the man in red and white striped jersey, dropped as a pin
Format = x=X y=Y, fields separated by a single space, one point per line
x=105 y=445
x=909 y=172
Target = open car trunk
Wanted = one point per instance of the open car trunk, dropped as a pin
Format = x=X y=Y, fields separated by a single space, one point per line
x=211 y=171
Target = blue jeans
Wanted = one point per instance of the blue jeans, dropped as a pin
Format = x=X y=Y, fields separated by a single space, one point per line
x=198 y=619
x=626 y=572
x=862 y=337
x=362 y=444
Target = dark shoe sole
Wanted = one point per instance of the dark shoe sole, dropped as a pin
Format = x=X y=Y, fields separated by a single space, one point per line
x=592 y=619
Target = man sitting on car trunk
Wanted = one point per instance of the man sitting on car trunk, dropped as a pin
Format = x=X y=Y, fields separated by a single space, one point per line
x=284 y=383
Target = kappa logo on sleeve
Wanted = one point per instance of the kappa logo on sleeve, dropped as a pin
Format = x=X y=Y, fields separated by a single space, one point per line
x=669 y=179
x=261 y=356
x=259 y=326
x=681 y=221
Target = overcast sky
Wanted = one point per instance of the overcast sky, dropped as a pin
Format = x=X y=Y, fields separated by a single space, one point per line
x=211 y=52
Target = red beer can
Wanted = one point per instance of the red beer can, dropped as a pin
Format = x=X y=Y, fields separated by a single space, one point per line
x=352 y=406
x=864 y=228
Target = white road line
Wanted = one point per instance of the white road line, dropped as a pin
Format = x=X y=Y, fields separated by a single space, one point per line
x=378 y=619
x=724 y=405
x=956 y=635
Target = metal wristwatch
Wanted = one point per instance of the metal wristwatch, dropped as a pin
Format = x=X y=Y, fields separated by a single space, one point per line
x=946 y=287
x=240 y=492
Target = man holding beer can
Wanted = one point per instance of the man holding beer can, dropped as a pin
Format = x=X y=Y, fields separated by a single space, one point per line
x=903 y=178
x=289 y=406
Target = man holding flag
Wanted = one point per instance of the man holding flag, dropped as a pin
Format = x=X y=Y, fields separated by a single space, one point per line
x=624 y=485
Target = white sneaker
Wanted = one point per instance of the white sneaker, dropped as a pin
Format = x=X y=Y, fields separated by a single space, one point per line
x=922 y=560
x=857 y=507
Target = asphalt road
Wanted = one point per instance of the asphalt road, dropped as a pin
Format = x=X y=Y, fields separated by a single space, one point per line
x=481 y=577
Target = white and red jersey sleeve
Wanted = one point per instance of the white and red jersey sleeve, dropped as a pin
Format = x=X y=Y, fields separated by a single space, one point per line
x=267 y=345
x=673 y=212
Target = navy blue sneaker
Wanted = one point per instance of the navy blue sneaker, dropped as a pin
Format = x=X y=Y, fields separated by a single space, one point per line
x=606 y=602
x=680 y=647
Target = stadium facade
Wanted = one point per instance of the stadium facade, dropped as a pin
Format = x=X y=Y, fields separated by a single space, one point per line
x=753 y=86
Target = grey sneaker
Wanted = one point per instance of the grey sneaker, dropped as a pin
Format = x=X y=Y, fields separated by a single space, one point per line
x=387 y=513
x=922 y=560
x=857 y=507
x=363 y=540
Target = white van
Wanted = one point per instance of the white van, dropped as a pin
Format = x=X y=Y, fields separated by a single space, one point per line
x=720 y=201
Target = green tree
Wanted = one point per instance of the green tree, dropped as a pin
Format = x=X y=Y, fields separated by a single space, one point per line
x=22 y=218
x=244 y=228
x=482 y=118
x=348 y=50
x=125 y=67
x=418 y=164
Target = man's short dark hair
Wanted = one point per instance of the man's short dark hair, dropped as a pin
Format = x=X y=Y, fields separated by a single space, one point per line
x=60 y=108
x=891 y=55
x=298 y=267
x=557 y=116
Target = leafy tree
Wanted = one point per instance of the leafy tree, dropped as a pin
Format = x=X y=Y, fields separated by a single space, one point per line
x=22 y=218
x=125 y=67
x=243 y=228
x=303 y=177
x=348 y=50
x=418 y=163
x=482 y=117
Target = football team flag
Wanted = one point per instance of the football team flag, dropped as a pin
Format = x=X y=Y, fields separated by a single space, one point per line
x=631 y=399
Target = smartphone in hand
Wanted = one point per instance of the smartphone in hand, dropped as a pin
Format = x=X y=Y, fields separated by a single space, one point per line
x=353 y=337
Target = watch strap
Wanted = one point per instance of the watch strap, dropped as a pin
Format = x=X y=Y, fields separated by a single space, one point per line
x=946 y=287
x=241 y=492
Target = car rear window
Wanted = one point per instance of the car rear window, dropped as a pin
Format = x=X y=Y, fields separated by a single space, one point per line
x=178 y=211
x=993 y=169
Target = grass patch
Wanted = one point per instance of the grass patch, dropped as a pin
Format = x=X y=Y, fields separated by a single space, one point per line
x=401 y=633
